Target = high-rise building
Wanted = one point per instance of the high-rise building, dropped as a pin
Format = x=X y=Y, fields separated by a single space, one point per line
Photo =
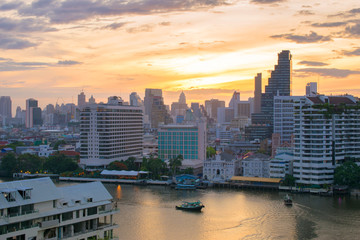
x=155 y=108
x=211 y=107
x=279 y=84
x=33 y=113
x=284 y=117
x=5 y=106
x=81 y=99
x=92 y=100
x=110 y=132
x=326 y=133
x=311 y=89
x=234 y=101
x=179 y=108
x=257 y=94
x=135 y=100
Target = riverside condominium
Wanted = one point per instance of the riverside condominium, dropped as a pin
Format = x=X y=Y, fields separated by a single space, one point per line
x=110 y=132
x=326 y=133
x=38 y=210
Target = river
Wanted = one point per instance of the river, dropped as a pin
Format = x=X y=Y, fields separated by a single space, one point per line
x=148 y=213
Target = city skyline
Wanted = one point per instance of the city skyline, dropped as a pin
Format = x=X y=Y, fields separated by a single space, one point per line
x=51 y=50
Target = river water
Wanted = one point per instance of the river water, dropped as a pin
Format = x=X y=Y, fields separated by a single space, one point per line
x=148 y=213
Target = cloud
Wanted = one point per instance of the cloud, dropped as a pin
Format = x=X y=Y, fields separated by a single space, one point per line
x=267 y=1
x=115 y=26
x=354 y=30
x=347 y=14
x=24 y=25
x=68 y=62
x=328 y=72
x=165 y=23
x=8 y=42
x=8 y=65
x=142 y=28
x=7 y=6
x=75 y=10
x=355 y=52
x=329 y=24
x=305 y=12
x=313 y=63
x=307 y=38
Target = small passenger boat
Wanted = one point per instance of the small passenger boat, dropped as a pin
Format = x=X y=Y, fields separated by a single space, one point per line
x=191 y=206
x=180 y=186
x=287 y=200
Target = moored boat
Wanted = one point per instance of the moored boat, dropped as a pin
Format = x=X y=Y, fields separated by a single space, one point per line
x=287 y=200
x=180 y=186
x=191 y=206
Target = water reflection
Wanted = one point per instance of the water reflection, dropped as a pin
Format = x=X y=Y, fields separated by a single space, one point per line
x=149 y=213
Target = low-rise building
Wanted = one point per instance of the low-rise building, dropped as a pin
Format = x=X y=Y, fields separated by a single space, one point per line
x=221 y=168
x=256 y=165
x=282 y=163
x=37 y=209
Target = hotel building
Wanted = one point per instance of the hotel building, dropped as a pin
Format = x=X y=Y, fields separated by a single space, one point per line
x=110 y=132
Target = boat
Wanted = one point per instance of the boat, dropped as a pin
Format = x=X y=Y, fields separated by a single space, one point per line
x=191 y=206
x=287 y=200
x=180 y=186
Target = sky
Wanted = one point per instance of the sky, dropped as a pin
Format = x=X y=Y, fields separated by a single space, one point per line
x=51 y=50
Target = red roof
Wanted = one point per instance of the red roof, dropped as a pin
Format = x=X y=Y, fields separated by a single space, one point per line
x=70 y=153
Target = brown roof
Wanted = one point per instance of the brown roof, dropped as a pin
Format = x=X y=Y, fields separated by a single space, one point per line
x=338 y=100
x=256 y=179
x=315 y=100
x=69 y=153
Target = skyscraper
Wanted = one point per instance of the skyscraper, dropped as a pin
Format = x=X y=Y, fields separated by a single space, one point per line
x=135 y=100
x=5 y=106
x=257 y=94
x=81 y=99
x=279 y=84
x=155 y=108
x=311 y=89
x=31 y=104
x=211 y=107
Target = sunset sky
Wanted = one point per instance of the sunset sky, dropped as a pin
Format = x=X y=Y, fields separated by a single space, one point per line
x=52 y=49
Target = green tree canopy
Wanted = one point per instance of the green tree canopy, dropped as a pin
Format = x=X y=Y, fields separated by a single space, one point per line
x=210 y=152
x=60 y=163
x=347 y=174
x=10 y=164
x=289 y=180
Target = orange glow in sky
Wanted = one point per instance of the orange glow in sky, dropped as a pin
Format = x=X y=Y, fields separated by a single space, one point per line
x=51 y=50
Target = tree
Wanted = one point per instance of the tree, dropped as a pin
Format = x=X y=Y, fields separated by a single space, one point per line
x=130 y=163
x=156 y=166
x=58 y=143
x=60 y=163
x=30 y=162
x=210 y=152
x=289 y=180
x=175 y=163
x=15 y=144
x=117 y=165
x=347 y=174
x=10 y=164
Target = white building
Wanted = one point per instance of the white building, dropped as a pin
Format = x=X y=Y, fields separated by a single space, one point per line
x=37 y=209
x=282 y=163
x=257 y=165
x=110 y=132
x=311 y=89
x=327 y=131
x=284 y=117
x=221 y=168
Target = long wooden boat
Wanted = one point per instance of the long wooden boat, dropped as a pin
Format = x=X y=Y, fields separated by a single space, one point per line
x=190 y=206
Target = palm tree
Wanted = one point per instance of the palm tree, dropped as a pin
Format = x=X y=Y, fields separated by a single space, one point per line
x=175 y=163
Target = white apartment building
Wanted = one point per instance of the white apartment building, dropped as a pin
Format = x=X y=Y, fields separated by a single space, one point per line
x=327 y=131
x=256 y=165
x=282 y=163
x=110 y=132
x=38 y=210
x=221 y=168
x=284 y=117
